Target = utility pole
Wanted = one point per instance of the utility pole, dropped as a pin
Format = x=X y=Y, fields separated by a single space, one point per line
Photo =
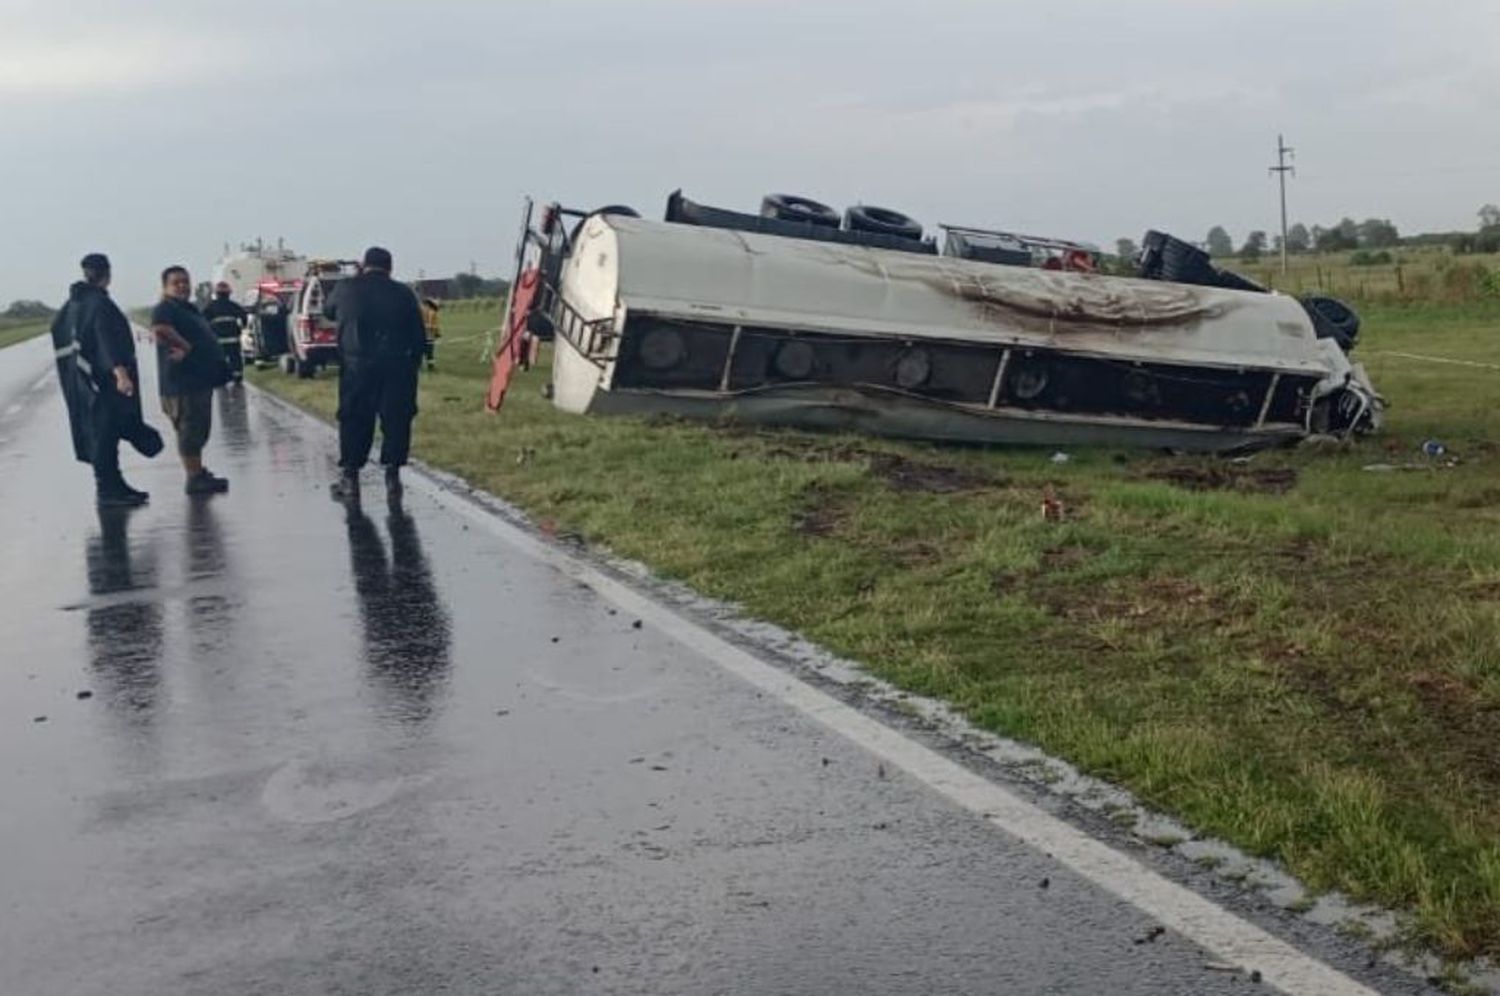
x=1281 y=169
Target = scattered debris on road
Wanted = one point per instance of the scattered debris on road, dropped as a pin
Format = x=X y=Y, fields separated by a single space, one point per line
x=1150 y=936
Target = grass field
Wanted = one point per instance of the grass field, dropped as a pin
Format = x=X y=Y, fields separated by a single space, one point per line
x=1294 y=653
x=14 y=332
x=1414 y=275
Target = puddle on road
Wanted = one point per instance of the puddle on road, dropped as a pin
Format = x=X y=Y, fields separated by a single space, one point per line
x=317 y=792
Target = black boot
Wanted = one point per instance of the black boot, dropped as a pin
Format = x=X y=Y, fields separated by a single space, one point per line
x=393 y=484
x=346 y=488
x=118 y=494
x=205 y=483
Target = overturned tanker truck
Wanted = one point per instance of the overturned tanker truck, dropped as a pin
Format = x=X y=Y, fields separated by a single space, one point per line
x=799 y=316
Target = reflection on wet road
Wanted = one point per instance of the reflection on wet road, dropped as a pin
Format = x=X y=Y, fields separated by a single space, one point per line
x=405 y=625
x=124 y=630
x=258 y=744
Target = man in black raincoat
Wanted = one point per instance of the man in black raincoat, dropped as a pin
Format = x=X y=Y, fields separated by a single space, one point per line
x=100 y=381
x=382 y=340
x=227 y=319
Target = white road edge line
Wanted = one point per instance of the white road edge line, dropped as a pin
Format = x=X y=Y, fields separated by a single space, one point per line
x=1174 y=906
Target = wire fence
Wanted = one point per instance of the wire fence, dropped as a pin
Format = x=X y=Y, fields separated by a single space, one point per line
x=1435 y=277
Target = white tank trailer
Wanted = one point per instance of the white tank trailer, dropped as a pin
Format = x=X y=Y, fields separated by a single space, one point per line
x=749 y=321
x=255 y=264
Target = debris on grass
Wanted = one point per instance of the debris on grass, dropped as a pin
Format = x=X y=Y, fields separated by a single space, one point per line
x=1322 y=646
x=898 y=472
x=1207 y=475
x=1386 y=468
x=1052 y=507
x=823 y=511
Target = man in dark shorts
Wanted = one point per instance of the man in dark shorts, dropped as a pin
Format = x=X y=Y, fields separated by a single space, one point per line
x=227 y=319
x=381 y=344
x=190 y=365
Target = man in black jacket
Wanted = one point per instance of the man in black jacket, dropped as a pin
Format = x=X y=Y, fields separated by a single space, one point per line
x=381 y=343
x=100 y=381
x=227 y=319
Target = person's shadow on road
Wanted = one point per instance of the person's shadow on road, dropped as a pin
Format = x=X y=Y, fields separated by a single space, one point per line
x=124 y=632
x=406 y=626
x=210 y=602
x=234 y=418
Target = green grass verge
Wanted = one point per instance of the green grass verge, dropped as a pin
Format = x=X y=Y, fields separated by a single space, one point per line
x=10 y=334
x=1296 y=654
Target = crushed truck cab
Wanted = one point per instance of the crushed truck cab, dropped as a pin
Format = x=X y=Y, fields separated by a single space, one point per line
x=724 y=322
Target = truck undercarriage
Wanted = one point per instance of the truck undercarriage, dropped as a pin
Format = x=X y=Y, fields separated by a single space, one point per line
x=1000 y=338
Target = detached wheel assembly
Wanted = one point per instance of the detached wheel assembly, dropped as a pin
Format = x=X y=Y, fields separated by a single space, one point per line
x=790 y=207
x=881 y=221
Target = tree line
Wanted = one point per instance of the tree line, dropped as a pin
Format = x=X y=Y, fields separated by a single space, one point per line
x=27 y=311
x=1370 y=235
x=467 y=285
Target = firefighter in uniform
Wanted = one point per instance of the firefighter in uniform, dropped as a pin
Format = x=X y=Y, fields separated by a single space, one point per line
x=432 y=322
x=382 y=341
x=227 y=319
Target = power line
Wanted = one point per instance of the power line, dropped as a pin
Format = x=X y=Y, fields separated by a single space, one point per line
x=1281 y=169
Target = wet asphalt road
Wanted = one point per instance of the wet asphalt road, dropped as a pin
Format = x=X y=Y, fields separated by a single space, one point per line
x=387 y=753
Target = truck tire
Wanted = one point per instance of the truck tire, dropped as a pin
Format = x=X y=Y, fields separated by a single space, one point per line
x=623 y=210
x=882 y=221
x=1234 y=281
x=790 y=207
x=1165 y=257
x=1332 y=319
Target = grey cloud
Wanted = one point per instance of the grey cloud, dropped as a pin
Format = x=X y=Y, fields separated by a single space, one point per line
x=421 y=125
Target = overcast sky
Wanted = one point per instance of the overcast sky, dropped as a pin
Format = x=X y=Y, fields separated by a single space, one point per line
x=157 y=130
